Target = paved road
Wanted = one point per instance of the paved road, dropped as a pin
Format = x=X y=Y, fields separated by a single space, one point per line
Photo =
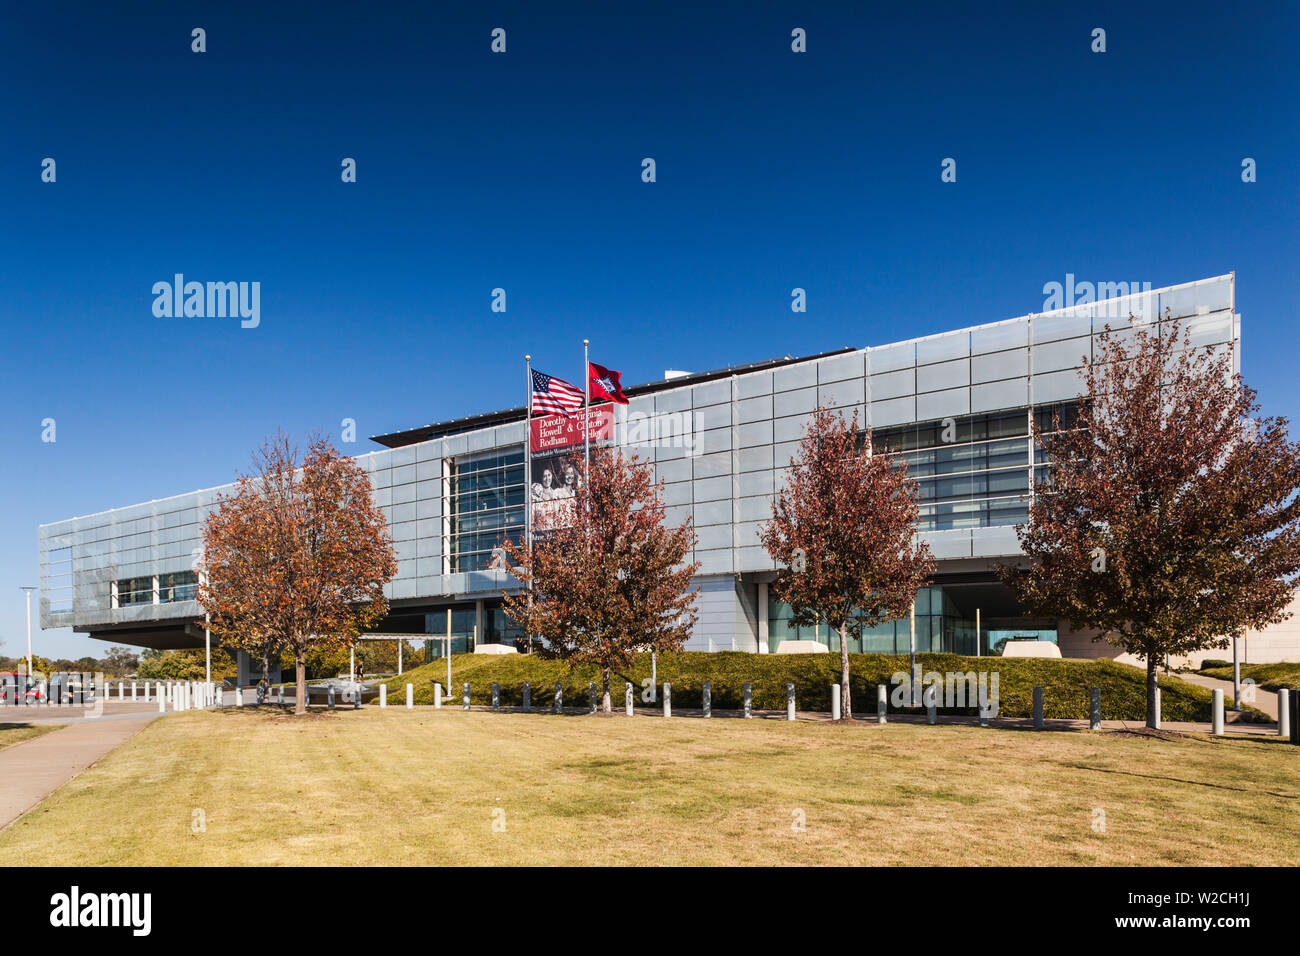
x=32 y=770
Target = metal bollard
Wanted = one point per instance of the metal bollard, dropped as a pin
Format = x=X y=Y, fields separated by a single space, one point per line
x=496 y=696
x=383 y=696
x=557 y=707
x=464 y=696
x=1157 y=700
x=356 y=697
x=410 y=696
x=668 y=699
x=239 y=696
x=591 y=697
x=835 y=701
x=1216 y=711
x=331 y=696
x=627 y=697
x=437 y=696
x=882 y=704
x=1038 y=708
x=528 y=698
x=281 y=695
x=789 y=701
x=708 y=699
x=162 y=704
x=749 y=700
x=1284 y=712
x=134 y=691
x=931 y=697
x=1295 y=714
x=1094 y=708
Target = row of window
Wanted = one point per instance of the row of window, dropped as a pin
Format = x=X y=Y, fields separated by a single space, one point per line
x=178 y=586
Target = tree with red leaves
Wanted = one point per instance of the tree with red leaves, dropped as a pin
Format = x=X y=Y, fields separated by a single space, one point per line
x=1170 y=520
x=843 y=530
x=609 y=579
x=297 y=557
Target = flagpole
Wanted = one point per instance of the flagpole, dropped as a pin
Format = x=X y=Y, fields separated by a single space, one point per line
x=528 y=479
x=586 y=412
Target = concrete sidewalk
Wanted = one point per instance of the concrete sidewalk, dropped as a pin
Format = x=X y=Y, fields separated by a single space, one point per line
x=1265 y=700
x=32 y=770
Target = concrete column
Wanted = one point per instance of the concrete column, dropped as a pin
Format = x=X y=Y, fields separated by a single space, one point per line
x=627 y=697
x=464 y=696
x=410 y=696
x=1094 y=708
x=882 y=703
x=496 y=696
x=835 y=701
x=1216 y=711
x=931 y=697
x=708 y=699
x=789 y=701
x=383 y=696
x=528 y=698
x=1038 y=708
x=668 y=699
x=557 y=706
x=1284 y=712
x=749 y=700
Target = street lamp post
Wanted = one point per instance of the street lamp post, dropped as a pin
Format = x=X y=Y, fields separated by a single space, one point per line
x=29 y=589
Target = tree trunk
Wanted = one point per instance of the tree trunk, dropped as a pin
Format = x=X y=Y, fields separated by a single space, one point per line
x=300 y=697
x=604 y=683
x=1152 y=662
x=846 y=703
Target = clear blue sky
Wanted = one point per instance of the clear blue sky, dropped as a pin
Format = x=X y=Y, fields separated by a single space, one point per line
x=522 y=171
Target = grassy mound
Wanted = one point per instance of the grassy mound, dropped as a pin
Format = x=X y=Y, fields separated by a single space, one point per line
x=1266 y=676
x=1065 y=682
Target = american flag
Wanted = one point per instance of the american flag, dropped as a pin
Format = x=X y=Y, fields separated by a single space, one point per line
x=554 y=395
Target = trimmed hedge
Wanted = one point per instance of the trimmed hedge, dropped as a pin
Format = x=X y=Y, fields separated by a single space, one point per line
x=1065 y=682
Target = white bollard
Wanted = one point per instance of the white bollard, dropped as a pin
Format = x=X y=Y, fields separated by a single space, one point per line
x=1157 y=699
x=239 y=695
x=1216 y=703
x=627 y=697
x=789 y=701
x=882 y=703
x=121 y=690
x=437 y=696
x=835 y=701
x=931 y=697
x=410 y=696
x=1284 y=712
x=383 y=696
x=162 y=704
x=668 y=699
x=134 y=689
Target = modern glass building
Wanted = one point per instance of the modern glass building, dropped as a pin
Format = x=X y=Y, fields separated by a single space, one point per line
x=957 y=405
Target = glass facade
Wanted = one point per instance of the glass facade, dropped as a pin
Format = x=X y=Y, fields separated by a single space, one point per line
x=180 y=586
x=972 y=471
x=940 y=628
x=487 y=507
x=132 y=591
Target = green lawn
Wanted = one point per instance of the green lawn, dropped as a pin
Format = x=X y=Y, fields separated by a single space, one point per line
x=424 y=787
x=16 y=733
x=1065 y=682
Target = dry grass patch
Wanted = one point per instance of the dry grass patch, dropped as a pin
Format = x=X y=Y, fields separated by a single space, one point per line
x=425 y=787
x=16 y=733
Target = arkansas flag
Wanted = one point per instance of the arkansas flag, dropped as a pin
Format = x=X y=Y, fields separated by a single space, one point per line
x=605 y=384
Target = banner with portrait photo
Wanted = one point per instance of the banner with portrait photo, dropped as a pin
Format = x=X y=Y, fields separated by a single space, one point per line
x=553 y=487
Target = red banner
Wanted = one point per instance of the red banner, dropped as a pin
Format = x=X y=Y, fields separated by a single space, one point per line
x=560 y=431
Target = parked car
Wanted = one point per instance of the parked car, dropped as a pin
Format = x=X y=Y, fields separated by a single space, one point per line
x=10 y=684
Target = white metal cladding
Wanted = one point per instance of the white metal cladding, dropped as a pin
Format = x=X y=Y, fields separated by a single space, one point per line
x=744 y=430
